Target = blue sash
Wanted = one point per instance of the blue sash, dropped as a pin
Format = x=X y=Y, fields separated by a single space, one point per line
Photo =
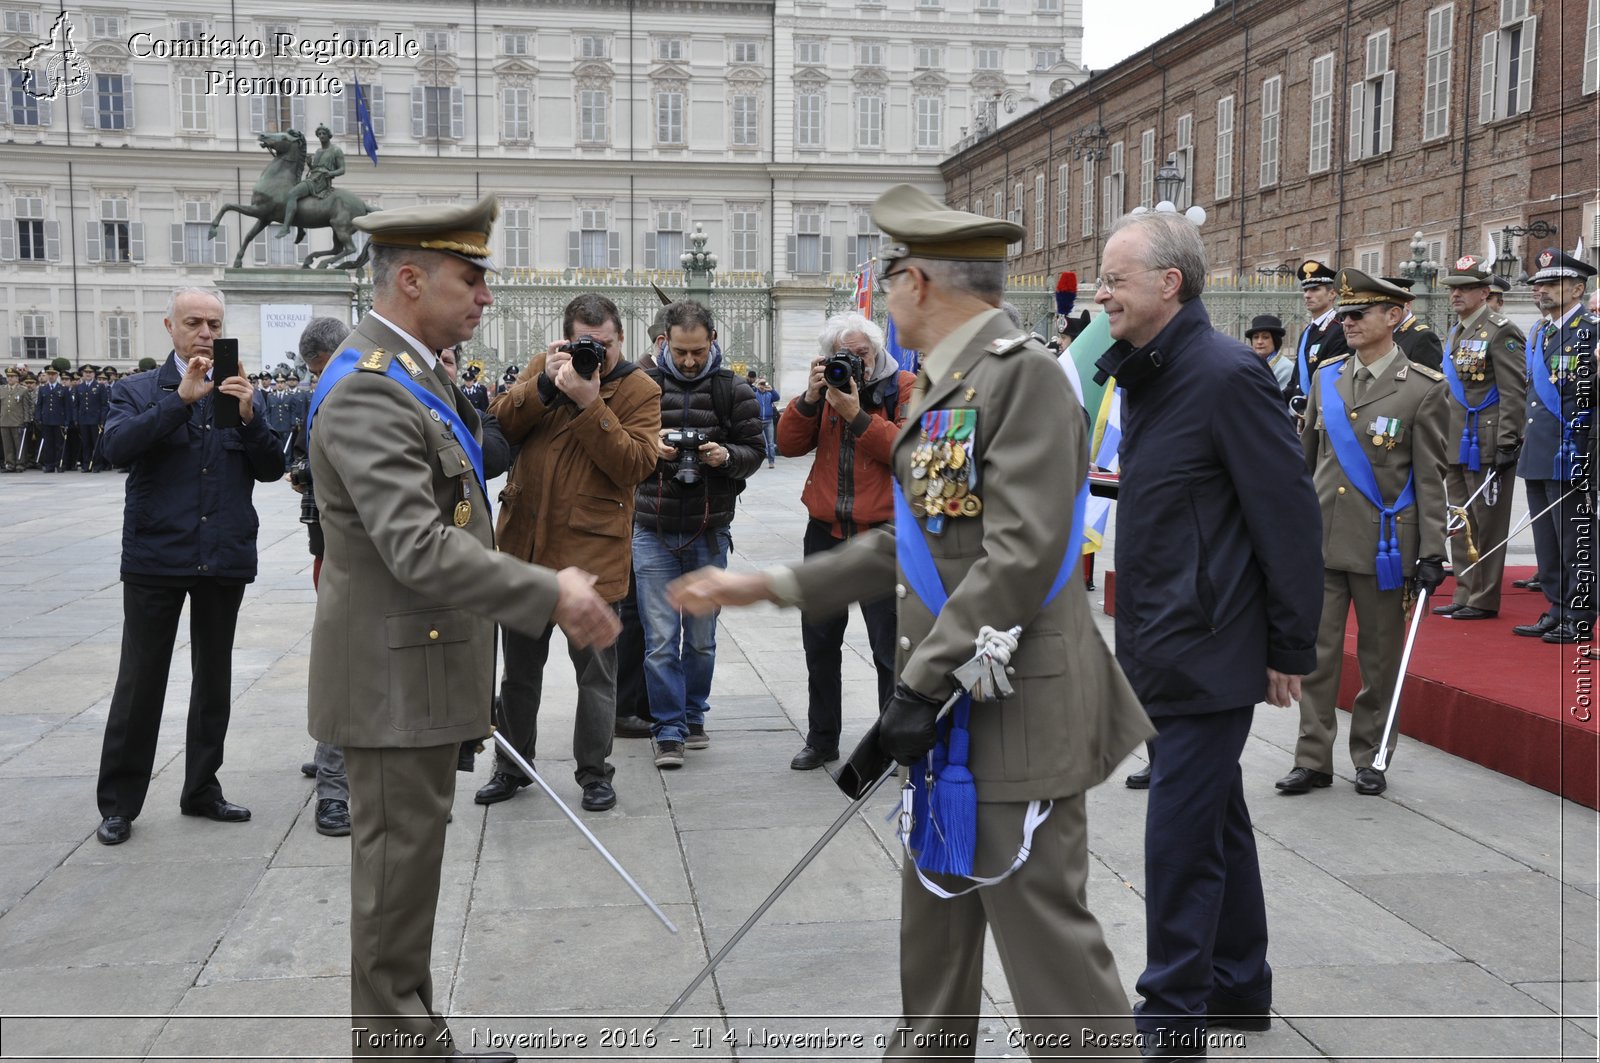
x=916 y=560
x=1358 y=469
x=1300 y=360
x=1469 y=455
x=1550 y=396
x=345 y=363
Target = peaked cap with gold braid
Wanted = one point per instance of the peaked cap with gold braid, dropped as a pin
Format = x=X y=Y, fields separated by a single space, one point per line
x=444 y=227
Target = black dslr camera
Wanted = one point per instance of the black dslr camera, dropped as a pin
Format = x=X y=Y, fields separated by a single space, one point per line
x=687 y=441
x=588 y=355
x=842 y=368
x=300 y=476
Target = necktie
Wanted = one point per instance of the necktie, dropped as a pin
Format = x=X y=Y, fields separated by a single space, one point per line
x=1363 y=377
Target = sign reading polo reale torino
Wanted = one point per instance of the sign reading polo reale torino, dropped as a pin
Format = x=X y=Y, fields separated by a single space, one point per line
x=281 y=325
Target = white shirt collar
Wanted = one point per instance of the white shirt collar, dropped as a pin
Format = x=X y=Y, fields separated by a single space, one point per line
x=1322 y=322
x=416 y=344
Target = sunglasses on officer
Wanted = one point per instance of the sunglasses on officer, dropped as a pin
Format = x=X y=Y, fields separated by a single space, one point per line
x=1356 y=313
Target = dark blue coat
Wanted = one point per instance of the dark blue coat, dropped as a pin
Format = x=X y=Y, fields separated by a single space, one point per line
x=188 y=510
x=1541 y=440
x=53 y=405
x=1219 y=534
x=90 y=403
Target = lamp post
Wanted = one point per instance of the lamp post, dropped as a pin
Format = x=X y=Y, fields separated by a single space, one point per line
x=1420 y=268
x=1169 y=182
x=698 y=264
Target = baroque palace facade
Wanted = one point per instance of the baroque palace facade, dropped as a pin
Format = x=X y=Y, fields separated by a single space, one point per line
x=1335 y=131
x=610 y=129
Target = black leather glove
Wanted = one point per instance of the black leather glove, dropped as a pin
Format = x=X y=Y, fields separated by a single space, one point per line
x=906 y=729
x=1429 y=574
x=1505 y=456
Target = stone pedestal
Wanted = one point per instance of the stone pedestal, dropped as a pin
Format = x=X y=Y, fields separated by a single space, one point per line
x=799 y=311
x=267 y=309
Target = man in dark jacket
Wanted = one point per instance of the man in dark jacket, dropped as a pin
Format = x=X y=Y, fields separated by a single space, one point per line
x=188 y=531
x=1218 y=597
x=53 y=412
x=681 y=519
x=89 y=401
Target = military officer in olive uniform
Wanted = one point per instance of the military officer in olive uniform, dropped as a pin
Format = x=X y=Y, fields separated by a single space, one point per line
x=1321 y=340
x=15 y=403
x=1415 y=339
x=1556 y=447
x=1487 y=378
x=402 y=649
x=1374 y=427
x=989 y=396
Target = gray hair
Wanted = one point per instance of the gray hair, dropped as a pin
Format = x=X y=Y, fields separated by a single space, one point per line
x=1173 y=242
x=172 y=301
x=837 y=327
x=386 y=261
x=986 y=280
x=322 y=337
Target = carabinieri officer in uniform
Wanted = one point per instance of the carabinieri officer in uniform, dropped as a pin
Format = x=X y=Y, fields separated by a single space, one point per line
x=1374 y=438
x=402 y=650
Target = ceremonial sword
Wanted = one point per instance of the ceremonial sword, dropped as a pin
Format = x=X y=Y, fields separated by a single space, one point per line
x=983 y=675
x=527 y=769
x=1521 y=525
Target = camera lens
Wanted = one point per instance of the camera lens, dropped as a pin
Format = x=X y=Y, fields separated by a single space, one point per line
x=838 y=370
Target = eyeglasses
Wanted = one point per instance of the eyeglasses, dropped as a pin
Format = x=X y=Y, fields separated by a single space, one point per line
x=1110 y=281
x=1354 y=313
x=883 y=279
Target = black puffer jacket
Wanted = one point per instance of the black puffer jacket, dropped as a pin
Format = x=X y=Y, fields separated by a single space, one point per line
x=666 y=506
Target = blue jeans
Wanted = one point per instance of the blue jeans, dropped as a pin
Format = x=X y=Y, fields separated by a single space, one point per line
x=680 y=652
x=769 y=432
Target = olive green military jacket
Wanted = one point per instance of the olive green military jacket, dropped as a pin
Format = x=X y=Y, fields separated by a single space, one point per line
x=1400 y=423
x=15 y=409
x=1073 y=716
x=403 y=646
x=1490 y=354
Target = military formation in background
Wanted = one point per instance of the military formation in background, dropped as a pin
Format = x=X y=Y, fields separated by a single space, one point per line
x=52 y=421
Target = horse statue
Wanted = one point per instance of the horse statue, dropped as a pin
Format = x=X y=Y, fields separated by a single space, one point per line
x=336 y=211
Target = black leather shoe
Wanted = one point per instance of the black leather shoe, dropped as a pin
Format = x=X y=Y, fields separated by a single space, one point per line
x=1535 y=629
x=218 y=809
x=1370 y=782
x=631 y=727
x=1139 y=780
x=333 y=817
x=500 y=787
x=1567 y=631
x=1443 y=610
x=599 y=796
x=811 y=758
x=467 y=758
x=309 y=769
x=1522 y=584
x=114 y=830
x=1302 y=780
x=1469 y=612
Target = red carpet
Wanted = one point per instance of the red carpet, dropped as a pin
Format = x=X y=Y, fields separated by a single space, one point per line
x=1512 y=704
x=1473 y=689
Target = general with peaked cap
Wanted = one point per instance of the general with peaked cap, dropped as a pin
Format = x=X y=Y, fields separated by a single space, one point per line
x=395 y=457
x=1265 y=337
x=1374 y=439
x=993 y=433
x=1556 y=447
x=1321 y=340
x=1420 y=343
x=1485 y=372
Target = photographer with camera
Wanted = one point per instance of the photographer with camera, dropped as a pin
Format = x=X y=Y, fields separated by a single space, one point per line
x=852 y=409
x=586 y=420
x=710 y=443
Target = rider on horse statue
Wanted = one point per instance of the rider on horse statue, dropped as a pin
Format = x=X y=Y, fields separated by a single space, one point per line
x=326 y=164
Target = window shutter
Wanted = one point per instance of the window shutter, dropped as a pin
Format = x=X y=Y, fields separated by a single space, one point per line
x=16 y=348
x=258 y=251
x=458 y=115
x=52 y=241
x=1525 y=69
x=136 y=241
x=45 y=113
x=375 y=107
x=127 y=102
x=827 y=254
x=177 y=244
x=8 y=240
x=1386 y=120
x=258 y=114
x=1358 y=96
x=91 y=107
x=574 y=249
x=91 y=239
x=297 y=115
x=614 y=250
x=419 y=114
x=789 y=254
x=50 y=347
x=343 y=111
x=1486 y=93
x=219 y=248
x=650 y=251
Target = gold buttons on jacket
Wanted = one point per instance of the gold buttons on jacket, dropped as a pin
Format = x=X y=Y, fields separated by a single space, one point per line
x=1341 y=490
x=435 y=632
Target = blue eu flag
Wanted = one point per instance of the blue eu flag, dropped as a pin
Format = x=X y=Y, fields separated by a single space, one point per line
x=369 y=139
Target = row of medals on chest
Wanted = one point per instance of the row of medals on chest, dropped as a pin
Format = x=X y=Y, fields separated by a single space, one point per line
x=940 y=473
